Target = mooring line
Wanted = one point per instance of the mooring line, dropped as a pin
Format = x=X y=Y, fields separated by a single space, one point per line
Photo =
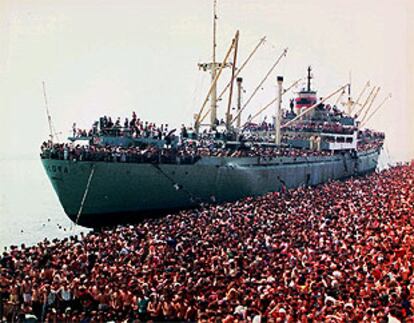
x=175 y=184
x=85 y=194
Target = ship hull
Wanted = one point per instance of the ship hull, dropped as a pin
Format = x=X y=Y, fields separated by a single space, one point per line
x=129 y=191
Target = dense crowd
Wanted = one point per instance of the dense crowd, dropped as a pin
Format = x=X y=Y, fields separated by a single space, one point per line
x=369 y=139
x=189 y=153
x=133 y=127
x=367 y=135
x=186 y=153
x=137 y=128
x=339 y=252
x=188 y=149
x=321 y=127
x=370 y=145
x=191 y=146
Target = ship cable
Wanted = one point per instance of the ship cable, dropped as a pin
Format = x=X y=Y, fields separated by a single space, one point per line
x=177 y=186
x=85 y=194
x=345 y=164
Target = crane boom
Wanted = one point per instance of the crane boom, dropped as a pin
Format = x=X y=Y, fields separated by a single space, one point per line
x=376 y=109
x=371 y=103
x=339 y=97
x=273 y=101
x=49 y=117
x=366 y=101
x=262 y=81
x=366 y=86
x=233 y=69
x=262 y=40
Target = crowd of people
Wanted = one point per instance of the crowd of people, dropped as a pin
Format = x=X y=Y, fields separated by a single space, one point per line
x=321 y=127
x=187 y=148
x=137 y=128
x=338 y=252
x=189 y=153
x=369 y=139
x=192 y=146
x=367 y=135
x=370 y=145
x=133 y=127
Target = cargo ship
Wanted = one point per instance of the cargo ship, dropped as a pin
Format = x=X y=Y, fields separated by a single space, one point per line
x=121 y=172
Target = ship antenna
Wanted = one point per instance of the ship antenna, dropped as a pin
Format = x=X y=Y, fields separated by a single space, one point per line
x=49 y=118
x=214 y=30
x=309 y=78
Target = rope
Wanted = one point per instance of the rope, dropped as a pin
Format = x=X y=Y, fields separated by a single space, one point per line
x=85 y=194
x=175 y=184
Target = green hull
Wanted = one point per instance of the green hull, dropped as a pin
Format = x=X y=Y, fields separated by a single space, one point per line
x=125 y=188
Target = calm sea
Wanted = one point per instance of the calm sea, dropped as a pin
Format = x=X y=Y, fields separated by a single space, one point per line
x=29 y=208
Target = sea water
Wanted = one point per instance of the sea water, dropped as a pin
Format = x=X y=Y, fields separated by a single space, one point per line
x=29 y=208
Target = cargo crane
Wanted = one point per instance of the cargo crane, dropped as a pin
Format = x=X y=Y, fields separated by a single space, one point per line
x=356 y=103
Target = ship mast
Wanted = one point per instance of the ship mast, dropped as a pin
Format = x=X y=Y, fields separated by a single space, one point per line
x=215 y=69
x=213 y=96
x=239 y=69
x=199 y=117
x=309 y=78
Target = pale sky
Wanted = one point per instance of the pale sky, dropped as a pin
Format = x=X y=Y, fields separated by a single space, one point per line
x=113 y=57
